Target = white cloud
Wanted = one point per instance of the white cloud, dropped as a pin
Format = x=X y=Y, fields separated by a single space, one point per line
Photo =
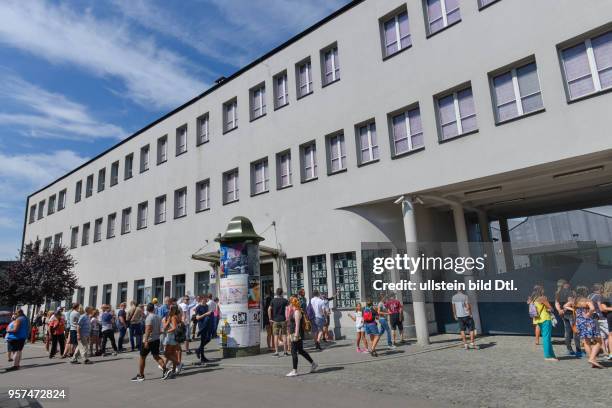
x=230 y=31
x=153 y=77
x=20 y=175
x=46 y=114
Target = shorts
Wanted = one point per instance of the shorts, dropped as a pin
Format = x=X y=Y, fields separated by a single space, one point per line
x=279 y=328
x=153 y=349
x=604 y=329
x=360 y=329
x=395 y=322
x=372 y=329
x=73 y=337
x=318 y=323
x=14 y=345
x=466 y=323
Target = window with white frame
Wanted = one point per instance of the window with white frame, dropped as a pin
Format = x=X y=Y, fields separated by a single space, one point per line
x=367 y=142
x=160 y=209
x=336 y=153
x=456 y=114
x=78 y=190
x=32 y=213
x=57 y=240
x=47 y=244
x=484 y=3
x=162 y=149
x=125 y=220
x=101 y=179
x=143 y=211
x=144 y=158
x=180 y=202
x=260 y=179
x=110 y=225
x=181 y=140
x=331 y=65
x=41 y=209
x=517 y=92
x=309 y=161
x=129 y=164
x=51 y=206
x=203 y=129
x=85 y=235
x=407 y=131
x=396 y=33
x=61 y=200
x=304 y=78
x=97 y=230
x=203 y=195
x=89 y=185
x=441 y=14
x=114 y=173
x=587 y=67
x=74 y=237
x=230 y=187
x=258 y=101
x=281 y=90
x=230 y=115
x=283 y=166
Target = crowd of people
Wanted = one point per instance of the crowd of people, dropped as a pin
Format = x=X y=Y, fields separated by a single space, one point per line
x=169 y=329
x=586 y=316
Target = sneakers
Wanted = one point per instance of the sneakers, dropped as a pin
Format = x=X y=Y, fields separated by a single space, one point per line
x=392 y=347
x=138 y=378
x=88 y=361
x=275 y=354
x=114 y=353
x=75 y=362
x=167 y=374
x=571 y=353
x=292 y=373
x=313 y=367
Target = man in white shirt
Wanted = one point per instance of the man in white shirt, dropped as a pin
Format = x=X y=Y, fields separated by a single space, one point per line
x=462 y=311
x=318 y=306
x=212 y=306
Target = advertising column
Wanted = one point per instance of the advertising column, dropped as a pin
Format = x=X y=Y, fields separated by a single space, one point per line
x=239 y=291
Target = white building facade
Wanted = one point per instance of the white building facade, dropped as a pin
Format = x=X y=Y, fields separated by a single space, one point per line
x=484 y=109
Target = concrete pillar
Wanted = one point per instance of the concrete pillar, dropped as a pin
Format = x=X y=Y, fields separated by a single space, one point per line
x=464 y=252
x=485 y=235
x=418 y=303
x=506 y=244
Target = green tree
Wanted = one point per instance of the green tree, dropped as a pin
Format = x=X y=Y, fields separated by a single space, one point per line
x=39 y=275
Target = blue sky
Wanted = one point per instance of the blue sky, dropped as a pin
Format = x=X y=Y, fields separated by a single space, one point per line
x=78 y=76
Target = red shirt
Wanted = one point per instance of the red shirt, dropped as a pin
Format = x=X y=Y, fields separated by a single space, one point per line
x=394 y=306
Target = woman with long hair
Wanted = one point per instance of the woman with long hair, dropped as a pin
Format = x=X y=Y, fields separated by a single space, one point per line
x=171 y=346
x=607 y=309
x=586 y=325
x=543 y=319
x=296 y=335
x=360 y=329
x=563 y=295
x=371 y=326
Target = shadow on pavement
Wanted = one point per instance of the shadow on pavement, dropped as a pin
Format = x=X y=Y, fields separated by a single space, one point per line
x=327 y=370
x=23 y=367
x=391 y=352
x=186 y=373
x=482 y=346
x=109 y=359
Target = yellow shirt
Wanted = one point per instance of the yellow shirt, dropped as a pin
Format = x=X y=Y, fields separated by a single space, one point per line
x=543 y=313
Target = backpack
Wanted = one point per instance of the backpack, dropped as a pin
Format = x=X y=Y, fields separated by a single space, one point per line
x=179 y=333
x=533 y=310
x=310 y=313
x=368 y=315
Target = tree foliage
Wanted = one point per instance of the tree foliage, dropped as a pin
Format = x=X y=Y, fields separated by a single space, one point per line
x=39 y=275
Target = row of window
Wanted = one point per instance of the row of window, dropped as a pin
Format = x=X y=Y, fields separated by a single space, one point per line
x=516 y=92
x=395 y=36
x=587 y=69
x=142 y=294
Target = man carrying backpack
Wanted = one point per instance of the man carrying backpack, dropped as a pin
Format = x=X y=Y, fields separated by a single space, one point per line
x=371 y=327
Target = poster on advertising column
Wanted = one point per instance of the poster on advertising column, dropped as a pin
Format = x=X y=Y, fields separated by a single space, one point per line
x=239 y=293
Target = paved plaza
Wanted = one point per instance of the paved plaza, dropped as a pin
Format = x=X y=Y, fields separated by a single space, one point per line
x=507 y=371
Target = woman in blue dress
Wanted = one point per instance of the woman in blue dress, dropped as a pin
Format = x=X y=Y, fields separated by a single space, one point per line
x=586 y=325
